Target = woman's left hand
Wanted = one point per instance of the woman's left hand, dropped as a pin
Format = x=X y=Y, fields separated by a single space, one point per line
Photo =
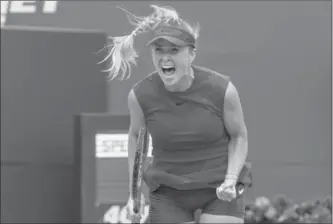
x=227 y=190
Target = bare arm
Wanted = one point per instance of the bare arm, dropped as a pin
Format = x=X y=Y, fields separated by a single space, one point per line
x=235 y=125
x=136 y=121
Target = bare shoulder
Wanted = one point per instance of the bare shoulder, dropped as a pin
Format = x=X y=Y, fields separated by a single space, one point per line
x=231 y=94
x=131 y=96
x=133 y=104
x=233 y=112
x=136 y=113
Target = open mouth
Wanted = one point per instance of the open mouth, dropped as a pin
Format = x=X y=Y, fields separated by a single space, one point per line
x=168 y=70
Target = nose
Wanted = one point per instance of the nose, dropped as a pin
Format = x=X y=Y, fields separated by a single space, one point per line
x=166 y=58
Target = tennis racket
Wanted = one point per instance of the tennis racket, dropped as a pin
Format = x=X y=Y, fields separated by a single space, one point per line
x=139 y=161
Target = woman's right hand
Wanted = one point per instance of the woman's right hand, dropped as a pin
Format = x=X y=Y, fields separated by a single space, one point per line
x=131 y=215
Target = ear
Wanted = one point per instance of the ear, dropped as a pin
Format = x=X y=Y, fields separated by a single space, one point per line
x=193 y=52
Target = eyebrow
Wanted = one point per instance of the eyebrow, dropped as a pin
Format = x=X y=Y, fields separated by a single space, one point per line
x=173 y=45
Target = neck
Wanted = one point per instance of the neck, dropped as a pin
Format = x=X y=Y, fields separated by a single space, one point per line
x=184 y=83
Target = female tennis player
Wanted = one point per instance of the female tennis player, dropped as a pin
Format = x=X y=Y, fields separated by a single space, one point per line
x=195 y=119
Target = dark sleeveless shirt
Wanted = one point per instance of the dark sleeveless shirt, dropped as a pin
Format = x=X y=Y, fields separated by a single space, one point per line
x=190 y=142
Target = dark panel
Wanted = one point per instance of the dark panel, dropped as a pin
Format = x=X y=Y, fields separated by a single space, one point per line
x=47 y=76
x=86 y=128
x=112 y=181
x=39 y=194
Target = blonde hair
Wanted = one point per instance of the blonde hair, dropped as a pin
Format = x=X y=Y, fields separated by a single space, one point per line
x=123 y=54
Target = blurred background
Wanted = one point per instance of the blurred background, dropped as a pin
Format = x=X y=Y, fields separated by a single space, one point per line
x=277 y=53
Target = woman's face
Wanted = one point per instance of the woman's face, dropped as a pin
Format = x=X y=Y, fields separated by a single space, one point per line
x=172 y=62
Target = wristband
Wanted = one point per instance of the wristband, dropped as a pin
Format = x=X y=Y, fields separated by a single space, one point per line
x=231 y=176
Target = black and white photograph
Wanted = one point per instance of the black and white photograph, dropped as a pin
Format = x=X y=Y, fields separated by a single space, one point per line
x=166 y=111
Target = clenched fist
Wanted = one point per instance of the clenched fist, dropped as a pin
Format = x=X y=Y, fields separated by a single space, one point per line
x=227 y=190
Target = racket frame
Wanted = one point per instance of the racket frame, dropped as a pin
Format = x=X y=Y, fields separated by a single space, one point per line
x=139 y=161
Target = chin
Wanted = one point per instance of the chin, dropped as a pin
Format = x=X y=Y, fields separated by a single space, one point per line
x=170 y=82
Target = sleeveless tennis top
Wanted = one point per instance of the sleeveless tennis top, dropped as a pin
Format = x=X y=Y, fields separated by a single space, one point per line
x=189 y=139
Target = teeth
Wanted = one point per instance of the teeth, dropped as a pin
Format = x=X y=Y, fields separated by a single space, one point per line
x=167 y=67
